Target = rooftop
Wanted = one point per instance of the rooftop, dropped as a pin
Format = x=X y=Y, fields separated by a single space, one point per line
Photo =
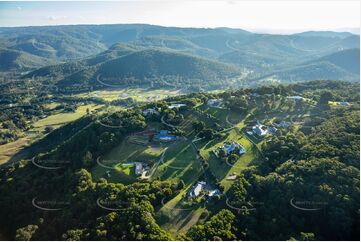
x=176 y=105
x=197 y=189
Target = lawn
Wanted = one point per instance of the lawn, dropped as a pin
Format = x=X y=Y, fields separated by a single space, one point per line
x=180 y=162
x=51 y=105
x=175 y=217
x=225 y=116
x=7 y=151
x=192 y=116
x=219 y=167
x=61 y=118
x=124 y=152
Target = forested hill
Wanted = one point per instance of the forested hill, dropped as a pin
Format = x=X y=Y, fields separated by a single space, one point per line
x=15 y=60
x=346 y=59
x=127 y=65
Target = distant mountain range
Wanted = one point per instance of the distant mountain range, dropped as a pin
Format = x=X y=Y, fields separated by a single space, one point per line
x=124 y=64
x=136 y=53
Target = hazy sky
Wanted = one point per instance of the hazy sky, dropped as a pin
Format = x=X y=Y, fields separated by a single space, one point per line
x=269 y=16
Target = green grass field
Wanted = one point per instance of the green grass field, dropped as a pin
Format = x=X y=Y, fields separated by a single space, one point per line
x=223 y=115
x=61 y=118
x=219 y=167
x=7 y=151
x=176 y=215
x=180 y=162
x=138 y=94
x=126 y=151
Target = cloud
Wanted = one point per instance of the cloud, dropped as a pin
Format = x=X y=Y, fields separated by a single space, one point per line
x=19 y=8
x=54 y=18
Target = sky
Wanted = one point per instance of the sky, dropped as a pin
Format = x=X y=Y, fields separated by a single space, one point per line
x=282 y=16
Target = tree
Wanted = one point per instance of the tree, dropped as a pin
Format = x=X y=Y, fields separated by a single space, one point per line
x=180 y=185
x=232 y=158
x=207 y=134
x=220 y=225
x=48 y=129
x=75 y=235
x=198 y=126
x=326 y=97
x=222 y=153
x=26 y=232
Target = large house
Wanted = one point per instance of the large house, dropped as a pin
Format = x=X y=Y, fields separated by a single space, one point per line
x=150 y=111
x=230 y=146
x=260 y=130
x=214 y=102
x=214 y=192
x=138 y=168
x=282 y=124
x=176 y=105
x=272 y=130
x=295 y=97
x=197 y=189
x=164 y=136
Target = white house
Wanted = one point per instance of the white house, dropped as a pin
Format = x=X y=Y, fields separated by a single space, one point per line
x=230 y=146
x=197 y=189
x=214 y=192
x=260 y=130
x=214 y=102
x=138 y=168
x=176 y=105
x=295 y=97
x=150 y=111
